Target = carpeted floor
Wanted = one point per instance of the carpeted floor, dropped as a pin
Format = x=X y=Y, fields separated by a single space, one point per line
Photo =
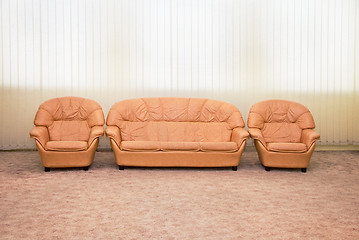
x=179 y=203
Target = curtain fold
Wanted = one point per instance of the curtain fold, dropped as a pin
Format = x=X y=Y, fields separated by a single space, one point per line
x=239 y=51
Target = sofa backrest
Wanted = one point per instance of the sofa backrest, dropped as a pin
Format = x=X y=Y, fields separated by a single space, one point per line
x=174 y=119
x=280 y=120
x=69 y=118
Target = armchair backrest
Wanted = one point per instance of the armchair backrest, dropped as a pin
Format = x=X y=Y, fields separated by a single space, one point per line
x=69 y=118
x=174 y=119
x=280 y=120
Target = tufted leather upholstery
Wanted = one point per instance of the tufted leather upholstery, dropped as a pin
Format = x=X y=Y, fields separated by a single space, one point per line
x=68 y=125
x=283 y=133
x=175 y=125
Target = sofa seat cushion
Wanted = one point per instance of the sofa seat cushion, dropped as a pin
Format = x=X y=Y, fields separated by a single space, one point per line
x=178 y=146
x=66 y=146
x=287 y=147
x=219 y=146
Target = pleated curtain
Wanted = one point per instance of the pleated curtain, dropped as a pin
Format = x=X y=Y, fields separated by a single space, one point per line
x=239 y=51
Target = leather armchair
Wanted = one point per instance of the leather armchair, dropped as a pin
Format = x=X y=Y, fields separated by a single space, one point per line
x=283 y=133
x=67 y=132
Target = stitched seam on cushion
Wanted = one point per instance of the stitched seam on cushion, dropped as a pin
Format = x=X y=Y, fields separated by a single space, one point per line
x=302 y=114
x=204 y=103
x=98 y=108
x=142 y=99
x=119 y=113
x=219 y=109
x=83 y=99
x=259 y=115
x=78 y=109
x=46 y=111
x=160 y=99
x=252 y=111
x=189 y=99
x=148 y=112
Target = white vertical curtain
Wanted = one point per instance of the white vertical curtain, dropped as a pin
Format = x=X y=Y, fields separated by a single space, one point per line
x=239 y=51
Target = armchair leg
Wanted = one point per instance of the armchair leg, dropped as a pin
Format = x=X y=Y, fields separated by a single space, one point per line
x=47 y=169
x=121 y=168
x=304 y=170
x=86 y=168
x=234 y=168
x=267 y=169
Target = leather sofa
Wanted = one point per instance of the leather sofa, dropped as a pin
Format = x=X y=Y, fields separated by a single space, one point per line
x=283 y=133
x=66 y=132
x=176 y=132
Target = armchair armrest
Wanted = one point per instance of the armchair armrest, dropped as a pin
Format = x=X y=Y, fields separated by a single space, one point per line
x=256 y=134
x=113 y=132
x=96 y=131
x=239 y=135
x=309 y=136
x=40 y=134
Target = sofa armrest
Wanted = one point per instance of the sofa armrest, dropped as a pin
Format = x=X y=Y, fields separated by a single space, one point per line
x=113 y=132
x=41 y=134
x=309 y=136
x=256 y=134
x=96 y=131
x=239 y=135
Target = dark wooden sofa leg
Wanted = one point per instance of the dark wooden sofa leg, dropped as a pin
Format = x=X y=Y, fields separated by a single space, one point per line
x=304 y=169
x=234 y=168
x=267 y=169
x=86 y=168
x=47 y=169
x=121 y=168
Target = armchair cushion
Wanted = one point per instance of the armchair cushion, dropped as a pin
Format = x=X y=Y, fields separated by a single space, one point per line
x=287 y=147
x=69 y=131
x=66 y=146
x=281 y=132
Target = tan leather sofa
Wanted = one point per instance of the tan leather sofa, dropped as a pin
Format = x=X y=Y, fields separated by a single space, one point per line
x=283 y=133
x=176 y=132
x=67 y=132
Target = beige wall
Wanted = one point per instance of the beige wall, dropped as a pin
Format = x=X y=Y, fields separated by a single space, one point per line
x=237 y=51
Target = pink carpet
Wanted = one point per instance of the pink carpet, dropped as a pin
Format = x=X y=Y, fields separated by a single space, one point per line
x=179 y=203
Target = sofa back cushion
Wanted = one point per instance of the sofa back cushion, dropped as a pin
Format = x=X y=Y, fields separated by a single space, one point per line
x=280 y=120
x=175 y=119
x=175 y=131
x=69 y=118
